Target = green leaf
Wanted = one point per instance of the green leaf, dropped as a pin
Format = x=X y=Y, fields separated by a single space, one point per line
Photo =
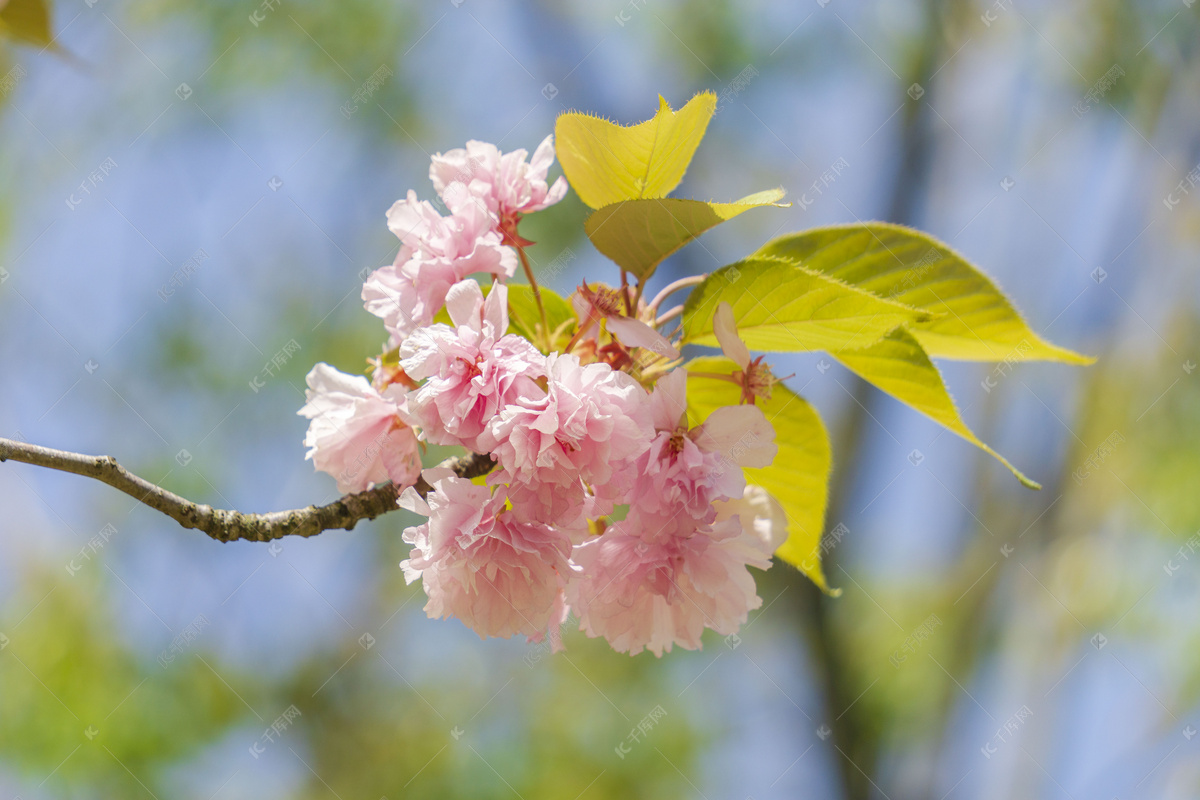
x=27 y=20
x=898 y=365
x=799 y=477
x=523 y=316
x=639 y=234
x=973 y=319
x=607 y=163
x=781 y=307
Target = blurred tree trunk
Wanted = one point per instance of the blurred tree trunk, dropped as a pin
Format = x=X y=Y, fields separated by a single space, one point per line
x=854 y=737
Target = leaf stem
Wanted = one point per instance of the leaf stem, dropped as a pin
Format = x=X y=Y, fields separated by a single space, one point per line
x=537 y=295
x=669 y=315
x=715 y=376
x=671 y=288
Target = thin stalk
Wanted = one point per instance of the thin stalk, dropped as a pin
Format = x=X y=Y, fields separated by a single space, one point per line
x=537 y=295
x=675 y=286
x=670 y=315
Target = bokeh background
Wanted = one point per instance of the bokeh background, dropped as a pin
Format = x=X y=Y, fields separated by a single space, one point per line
x=220 y=144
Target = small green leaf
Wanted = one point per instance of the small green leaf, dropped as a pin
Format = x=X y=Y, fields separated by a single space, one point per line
x=781 y=307
x=639 y=234
x=973 y=319
x=898 y=365
x=523 y=316
x=27 y=20
x=607 y=163
x=799 y=477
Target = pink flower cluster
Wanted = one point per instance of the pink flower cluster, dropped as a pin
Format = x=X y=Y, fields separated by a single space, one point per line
x=608 y=501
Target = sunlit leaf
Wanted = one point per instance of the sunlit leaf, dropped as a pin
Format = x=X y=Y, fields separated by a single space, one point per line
x=523 y=316
x=27 y=20
x=799 y=476
x=639 y=234
x=607 y=163
x=898 y=365
x=781 y=307
x=974 y=320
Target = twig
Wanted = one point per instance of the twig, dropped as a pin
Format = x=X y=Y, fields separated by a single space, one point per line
x=228 y=526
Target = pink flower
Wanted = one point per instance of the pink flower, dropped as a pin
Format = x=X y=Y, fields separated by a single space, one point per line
x=476 y=562
x=503 y=183
x=685 y=471
x=437 y=252
x=590 y=424
x=605 y=303
x=471 y=371
x=762 y=518
x=753 y=376
x=654 y=595
x=356 y=434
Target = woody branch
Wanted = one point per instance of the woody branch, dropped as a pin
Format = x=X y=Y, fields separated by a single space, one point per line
x=225 y=525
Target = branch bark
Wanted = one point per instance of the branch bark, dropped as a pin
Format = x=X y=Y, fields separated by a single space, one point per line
x=228 y=526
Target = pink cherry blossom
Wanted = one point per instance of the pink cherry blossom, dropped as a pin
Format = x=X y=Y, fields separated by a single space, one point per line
x=356 y=434
x=762 y=518
x=753 y=375
x=685 y=471
x=471 y=371
x=591 y=423
x=476 y=562
x=605 y=303
x=654 y=595
x=504 y=183
x=436 y=253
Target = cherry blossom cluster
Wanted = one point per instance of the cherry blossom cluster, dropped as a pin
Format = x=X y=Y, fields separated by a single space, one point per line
x=608 y=500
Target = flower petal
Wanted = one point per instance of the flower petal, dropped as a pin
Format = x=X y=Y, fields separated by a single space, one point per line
x=741 y=433
x=635 y=333
x=725 y=328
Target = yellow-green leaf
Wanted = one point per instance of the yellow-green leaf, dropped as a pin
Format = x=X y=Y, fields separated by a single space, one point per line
x=898 y=365
x=639 y=234
x=974 y=320
x=27 y=20
x=523 y=316
x=799 y=477
x=781 y=307
x=607 y=163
